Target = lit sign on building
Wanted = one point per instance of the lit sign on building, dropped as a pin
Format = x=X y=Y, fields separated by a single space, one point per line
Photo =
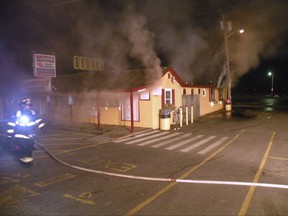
x=87 y=63
x=44 y=65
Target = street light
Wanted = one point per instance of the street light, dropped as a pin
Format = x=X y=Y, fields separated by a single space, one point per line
x=271 y=74
x=226 y=36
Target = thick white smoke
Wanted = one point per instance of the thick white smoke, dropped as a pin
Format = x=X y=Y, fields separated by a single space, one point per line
x=141 y=41
x=186 y=33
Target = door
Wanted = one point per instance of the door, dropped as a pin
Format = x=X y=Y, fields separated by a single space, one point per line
x=191 y=100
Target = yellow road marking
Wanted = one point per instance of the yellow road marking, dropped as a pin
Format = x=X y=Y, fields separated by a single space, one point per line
x=169 y=186
x=260 y=114
x=10 y=179
x=55 y=180
x=60 y=139
x=79 y=199
x=14 y=195
x=72 y=132
x=278 y=158
x=82 y=147
x=52 y=135
x=64 y=144
x=250 y=193
x=85 y=194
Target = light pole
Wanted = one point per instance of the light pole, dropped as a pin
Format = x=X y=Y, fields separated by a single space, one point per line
x=272 y=88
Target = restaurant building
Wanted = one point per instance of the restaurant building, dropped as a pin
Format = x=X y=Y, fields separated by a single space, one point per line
x=140 y=103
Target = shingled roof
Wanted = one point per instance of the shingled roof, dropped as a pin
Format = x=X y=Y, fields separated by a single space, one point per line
x=89 y=81
x=108 y=80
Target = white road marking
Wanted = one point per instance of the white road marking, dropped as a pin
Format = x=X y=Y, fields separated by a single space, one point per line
x=212 y=146
x=184 y=142
x=137 y=136
x=171 y=140
x=190 y=148
x=145 y=138
x=156 y=140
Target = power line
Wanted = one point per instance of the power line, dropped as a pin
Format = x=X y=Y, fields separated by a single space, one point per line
x=40 y=5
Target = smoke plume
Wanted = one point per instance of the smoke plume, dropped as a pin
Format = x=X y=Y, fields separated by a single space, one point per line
x=149 y=34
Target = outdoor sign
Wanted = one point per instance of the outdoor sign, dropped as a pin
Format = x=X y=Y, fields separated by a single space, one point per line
x=44 y=65
x=87 y=63
x=36 y=85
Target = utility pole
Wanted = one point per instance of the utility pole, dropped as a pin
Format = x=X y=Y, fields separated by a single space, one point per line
x=226 y=26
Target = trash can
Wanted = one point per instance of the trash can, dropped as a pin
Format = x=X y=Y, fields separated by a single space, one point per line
x=228 y=105
x=165 y=119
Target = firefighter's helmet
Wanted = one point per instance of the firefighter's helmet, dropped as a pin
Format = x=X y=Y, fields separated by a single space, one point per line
x=26 y=102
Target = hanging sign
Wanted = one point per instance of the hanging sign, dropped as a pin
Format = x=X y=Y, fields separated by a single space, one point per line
x=36 y=85
x=44 y=65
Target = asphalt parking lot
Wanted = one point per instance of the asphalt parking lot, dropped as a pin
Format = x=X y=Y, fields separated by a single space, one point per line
x=223 y=164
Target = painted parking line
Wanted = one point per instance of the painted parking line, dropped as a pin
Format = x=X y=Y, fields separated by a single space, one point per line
x=189 y=172
x=15 y=194
x=184 y=142
x=190 y=148
x=278 y=158
x=79 y=199
x=250 y=193
x=55 y=180
x=214 y=145
x=63 y=139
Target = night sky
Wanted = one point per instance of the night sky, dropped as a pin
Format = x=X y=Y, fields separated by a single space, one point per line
x=131 y=34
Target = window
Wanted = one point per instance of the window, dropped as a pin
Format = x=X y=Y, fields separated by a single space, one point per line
x=212 y=94
x=204 y=92
x=192 y=91
x=126 y=108
x=168 y=96
x=184 y=91
x=220 y=94
x=145 y=95
x=199 y=91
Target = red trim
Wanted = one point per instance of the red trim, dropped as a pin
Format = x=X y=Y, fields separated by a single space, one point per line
x=180 y=81
x=162 y=98
x=131 y=111
x=173 y=97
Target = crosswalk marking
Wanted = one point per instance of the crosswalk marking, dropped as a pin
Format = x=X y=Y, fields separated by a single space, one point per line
x=184 y=142
x=137 y=136
x=146 y=138
x=171 y=140
x=153 y=141
x=214 y=145
x=198 y=144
